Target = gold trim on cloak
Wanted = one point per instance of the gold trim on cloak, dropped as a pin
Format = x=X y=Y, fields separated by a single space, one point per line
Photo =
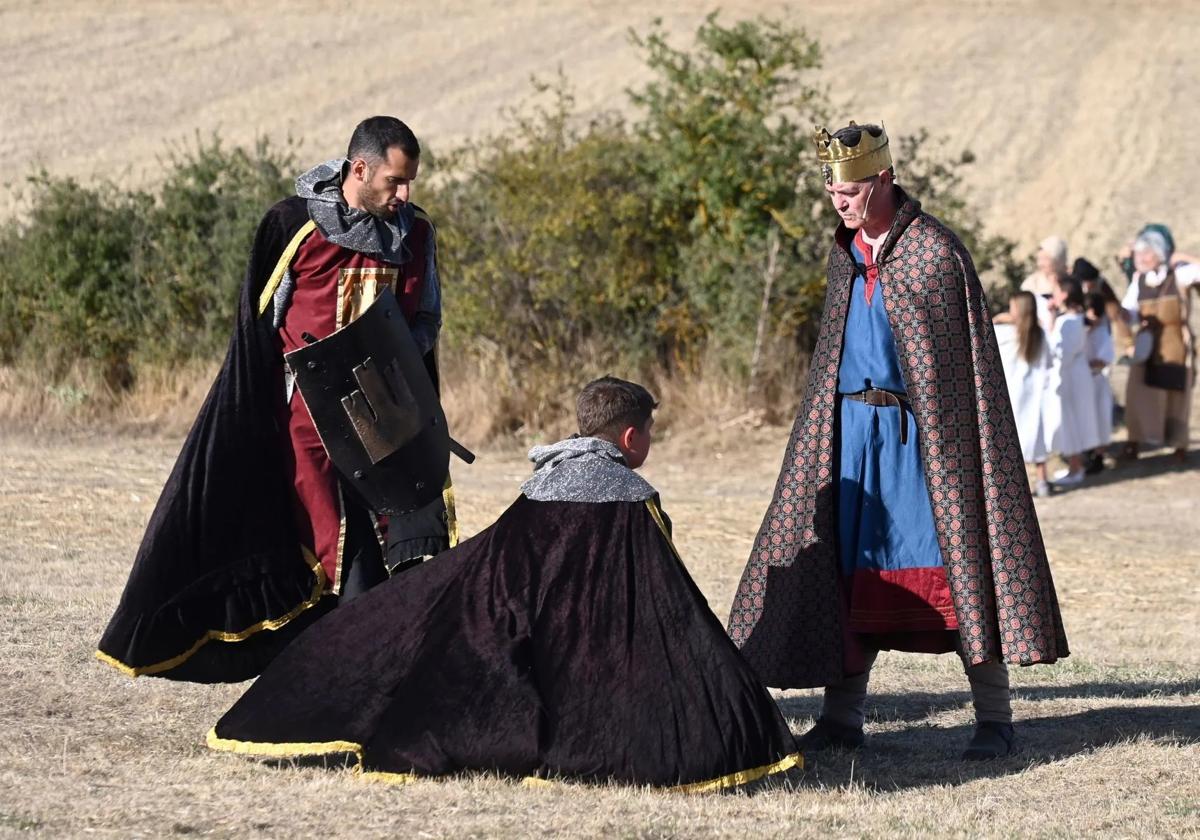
x=224 y=635
x=336 y=583
x=656 y=512
x=451 y=514
x=742 y=777
x=281 y=267
x=301 y=750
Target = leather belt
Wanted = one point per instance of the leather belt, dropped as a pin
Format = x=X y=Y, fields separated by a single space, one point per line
x=880 y=398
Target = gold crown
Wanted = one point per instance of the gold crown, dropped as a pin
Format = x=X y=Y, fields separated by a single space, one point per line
x=842 y=164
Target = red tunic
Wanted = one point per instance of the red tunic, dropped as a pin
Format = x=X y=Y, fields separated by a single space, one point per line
x=333 y=286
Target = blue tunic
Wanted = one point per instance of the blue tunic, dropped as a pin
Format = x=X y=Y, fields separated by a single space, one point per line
x=886 y=535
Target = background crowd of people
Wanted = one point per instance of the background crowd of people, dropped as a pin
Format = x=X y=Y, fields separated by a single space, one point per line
x=1062 y=334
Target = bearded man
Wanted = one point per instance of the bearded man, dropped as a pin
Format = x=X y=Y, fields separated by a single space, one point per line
x=902 y=518
x=254 y=535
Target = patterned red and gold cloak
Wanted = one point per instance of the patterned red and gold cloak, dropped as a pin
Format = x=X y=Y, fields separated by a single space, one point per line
x=787 y=615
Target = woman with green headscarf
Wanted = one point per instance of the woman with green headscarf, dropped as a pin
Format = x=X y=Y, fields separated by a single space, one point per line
x=1159 y=392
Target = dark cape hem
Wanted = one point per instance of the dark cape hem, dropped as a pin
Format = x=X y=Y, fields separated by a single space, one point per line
x=794 y=761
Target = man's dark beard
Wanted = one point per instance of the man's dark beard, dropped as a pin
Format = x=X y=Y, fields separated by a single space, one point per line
x=379 y=211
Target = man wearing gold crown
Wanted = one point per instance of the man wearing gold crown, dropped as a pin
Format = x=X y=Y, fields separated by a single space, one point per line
x=902 y=518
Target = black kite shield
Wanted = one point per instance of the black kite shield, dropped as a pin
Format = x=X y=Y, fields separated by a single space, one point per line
x=376 y=409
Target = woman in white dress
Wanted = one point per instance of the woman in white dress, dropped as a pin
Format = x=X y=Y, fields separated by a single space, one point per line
x=1025 y=353
x=1071 y=419
x=1100 y=354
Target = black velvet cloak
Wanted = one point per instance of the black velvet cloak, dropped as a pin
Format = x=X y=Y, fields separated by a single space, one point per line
x=221 y=559
x=566 y=640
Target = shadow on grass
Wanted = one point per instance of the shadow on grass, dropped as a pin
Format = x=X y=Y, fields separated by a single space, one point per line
x=1146 y=466
x=919 y=705
x=328 y=761
x=922 y=754
x=926 y=755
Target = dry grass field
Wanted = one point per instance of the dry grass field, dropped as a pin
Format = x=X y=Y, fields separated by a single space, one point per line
x=1110 y=737
x=1081 y=113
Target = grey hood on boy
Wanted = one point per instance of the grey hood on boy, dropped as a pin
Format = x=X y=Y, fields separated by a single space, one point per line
x=583 y=469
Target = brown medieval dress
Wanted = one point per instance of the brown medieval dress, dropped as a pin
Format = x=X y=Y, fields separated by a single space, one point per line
x=1155 y=414
x=789 y=613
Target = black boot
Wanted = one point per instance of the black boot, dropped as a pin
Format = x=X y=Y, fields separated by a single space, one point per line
x=991 y=740
x=826 y=733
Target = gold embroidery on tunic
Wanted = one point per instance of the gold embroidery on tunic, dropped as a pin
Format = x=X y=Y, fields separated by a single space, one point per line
x=358 y=288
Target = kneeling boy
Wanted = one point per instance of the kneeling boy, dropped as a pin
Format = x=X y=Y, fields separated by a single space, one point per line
x=565 y=640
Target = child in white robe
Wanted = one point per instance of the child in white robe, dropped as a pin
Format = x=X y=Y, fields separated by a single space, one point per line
x=1025 y=353
x=1072 y=417
x=1100 y=353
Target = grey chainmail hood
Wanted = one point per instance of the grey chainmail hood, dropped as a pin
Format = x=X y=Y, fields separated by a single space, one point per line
x=342 y=225
x=583 y=469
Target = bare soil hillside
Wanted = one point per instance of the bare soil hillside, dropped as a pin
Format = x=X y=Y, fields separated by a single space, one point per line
x=1080 y=111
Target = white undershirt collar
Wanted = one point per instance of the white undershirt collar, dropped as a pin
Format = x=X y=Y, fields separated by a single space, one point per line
x=1154 y=278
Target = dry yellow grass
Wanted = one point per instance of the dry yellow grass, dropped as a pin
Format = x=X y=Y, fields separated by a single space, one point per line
x=162 y=400
x=1079 y=112
x=1111 y=736
x=479 y=396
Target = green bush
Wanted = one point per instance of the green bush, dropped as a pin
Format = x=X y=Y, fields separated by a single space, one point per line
x=548 y=243
x=68 y=279
x=203 y=226
x=720 y=128
x=689 y=237
x=113 y=277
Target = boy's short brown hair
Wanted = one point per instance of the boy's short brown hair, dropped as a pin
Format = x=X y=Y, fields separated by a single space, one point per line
x=607 y=406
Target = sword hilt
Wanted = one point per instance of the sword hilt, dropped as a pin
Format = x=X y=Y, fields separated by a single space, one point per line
x=462 y=452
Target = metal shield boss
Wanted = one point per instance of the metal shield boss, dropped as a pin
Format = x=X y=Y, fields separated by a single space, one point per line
x=376 y=410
